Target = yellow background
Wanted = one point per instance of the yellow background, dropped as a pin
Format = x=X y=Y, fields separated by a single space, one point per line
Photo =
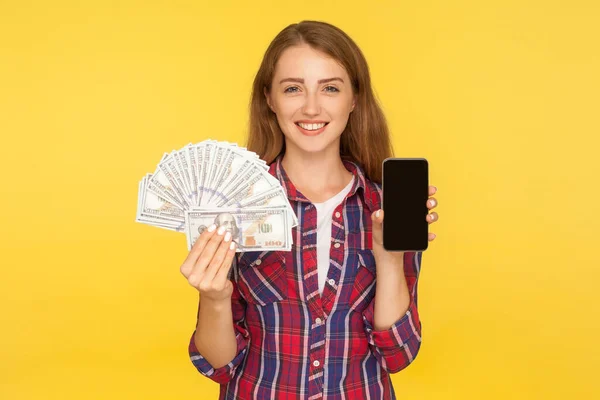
x=500 y=96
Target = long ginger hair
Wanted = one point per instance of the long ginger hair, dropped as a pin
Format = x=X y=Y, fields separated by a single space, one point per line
x=365 y=140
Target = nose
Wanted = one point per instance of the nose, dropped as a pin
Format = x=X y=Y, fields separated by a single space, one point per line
x=311 y=105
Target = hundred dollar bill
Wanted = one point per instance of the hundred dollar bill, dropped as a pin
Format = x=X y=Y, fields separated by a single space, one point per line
x=235 y=177
x=272 y=197
x=255 y=181
x=200 y=165
x=233 y=164
x=220 y=155
x=158 y=206
x=164 y=185
x=206 y=167
x=151 y=219
x=252 y=229
x=169 y=166
x=181 y=163
x=191 y=156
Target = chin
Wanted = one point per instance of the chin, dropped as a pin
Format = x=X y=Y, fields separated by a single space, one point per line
x=312 y=144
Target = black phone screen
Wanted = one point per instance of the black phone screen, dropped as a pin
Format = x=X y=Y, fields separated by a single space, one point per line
x=405 y=192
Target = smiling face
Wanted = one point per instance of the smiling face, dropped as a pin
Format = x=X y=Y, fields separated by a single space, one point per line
x=312 y=88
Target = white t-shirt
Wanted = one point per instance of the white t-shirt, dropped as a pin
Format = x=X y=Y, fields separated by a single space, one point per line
x=324 y=222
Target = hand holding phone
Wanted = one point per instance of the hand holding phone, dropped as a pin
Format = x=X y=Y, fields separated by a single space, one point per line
x=405 y=187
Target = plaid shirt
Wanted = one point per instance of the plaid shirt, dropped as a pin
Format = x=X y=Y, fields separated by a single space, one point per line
x=293 y=342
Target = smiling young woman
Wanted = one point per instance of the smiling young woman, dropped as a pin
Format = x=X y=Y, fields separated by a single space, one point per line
x=336 y=315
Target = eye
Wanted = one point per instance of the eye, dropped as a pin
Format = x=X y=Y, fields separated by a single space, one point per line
x=291 y=87
x=333 y=87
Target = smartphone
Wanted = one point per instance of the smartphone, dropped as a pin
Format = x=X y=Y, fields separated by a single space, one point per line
x=405 y=185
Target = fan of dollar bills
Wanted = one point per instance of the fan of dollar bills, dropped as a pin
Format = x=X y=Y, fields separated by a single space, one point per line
x=218 y=183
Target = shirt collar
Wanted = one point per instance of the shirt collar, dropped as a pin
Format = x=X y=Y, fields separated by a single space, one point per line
x=361 y=182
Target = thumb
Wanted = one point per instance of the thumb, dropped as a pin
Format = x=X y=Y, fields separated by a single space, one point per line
x=377 y=218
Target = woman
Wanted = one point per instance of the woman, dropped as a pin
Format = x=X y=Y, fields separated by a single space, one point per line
x=313 y=322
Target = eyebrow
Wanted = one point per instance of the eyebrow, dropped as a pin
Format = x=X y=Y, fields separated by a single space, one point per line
x=300 y=80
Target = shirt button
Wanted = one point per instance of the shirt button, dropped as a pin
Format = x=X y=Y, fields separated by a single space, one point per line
x=337 y=245
x=258 y=262
x=337 y=214
x=331 y=282
x=316 y=363
x=318 y=321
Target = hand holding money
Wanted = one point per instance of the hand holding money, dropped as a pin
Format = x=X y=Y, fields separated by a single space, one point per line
x=217 y=183
x=208 y=263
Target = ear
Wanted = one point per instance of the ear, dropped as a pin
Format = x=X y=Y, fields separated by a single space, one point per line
x=353 y=104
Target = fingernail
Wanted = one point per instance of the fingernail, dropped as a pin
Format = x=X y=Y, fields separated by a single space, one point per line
x=232 y=245
x=212 y=228
x=221 y=230
x=227 y=236
x=377 y=214
x=432 y=203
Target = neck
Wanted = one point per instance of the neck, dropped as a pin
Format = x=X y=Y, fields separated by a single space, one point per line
x=318 y=176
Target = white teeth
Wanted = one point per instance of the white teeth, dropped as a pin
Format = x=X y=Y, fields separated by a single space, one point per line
x=311 y=127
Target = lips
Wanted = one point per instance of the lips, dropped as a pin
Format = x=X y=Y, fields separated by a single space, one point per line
x=311 y=133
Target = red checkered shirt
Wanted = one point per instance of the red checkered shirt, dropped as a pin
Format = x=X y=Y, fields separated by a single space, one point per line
x=293 y=342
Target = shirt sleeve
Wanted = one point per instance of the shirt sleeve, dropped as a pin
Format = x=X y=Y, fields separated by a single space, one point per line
x=225 y=373
x=397 y=347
